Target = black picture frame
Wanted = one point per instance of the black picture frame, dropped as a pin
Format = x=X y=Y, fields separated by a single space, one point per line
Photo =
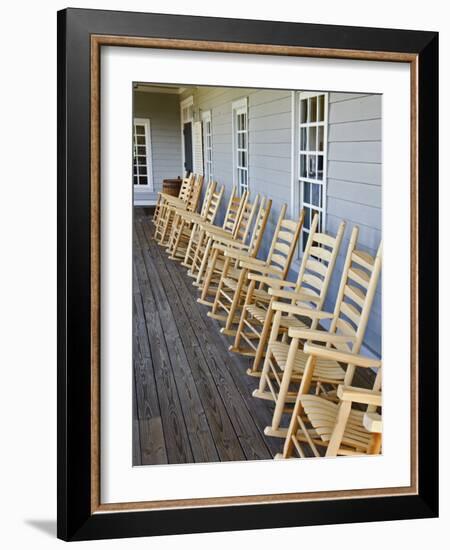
x=76 y=521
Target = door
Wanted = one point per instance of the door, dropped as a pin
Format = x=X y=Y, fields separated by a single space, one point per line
x=142 y=156
x=187 y=134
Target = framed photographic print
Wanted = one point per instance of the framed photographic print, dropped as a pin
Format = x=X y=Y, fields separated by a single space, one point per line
x=247 y=274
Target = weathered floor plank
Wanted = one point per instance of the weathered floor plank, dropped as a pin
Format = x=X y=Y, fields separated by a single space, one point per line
x=175 y=433
x=193 y=397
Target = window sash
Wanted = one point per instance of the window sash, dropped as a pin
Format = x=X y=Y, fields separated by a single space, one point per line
x=240 y=145
x=312 y=151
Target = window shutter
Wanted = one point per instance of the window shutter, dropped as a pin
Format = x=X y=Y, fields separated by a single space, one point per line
x=197 y=146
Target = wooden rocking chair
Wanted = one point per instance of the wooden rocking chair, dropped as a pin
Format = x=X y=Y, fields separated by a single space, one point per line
x=164 y=228
x=285 y=363
x=165 y=199
x=185 y=223
x=213 y=261
x=232 y=289
x=309 y=292
x=332 y=429
x=197 y=247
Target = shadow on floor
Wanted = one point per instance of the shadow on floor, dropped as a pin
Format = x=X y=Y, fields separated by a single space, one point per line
x=46 y=526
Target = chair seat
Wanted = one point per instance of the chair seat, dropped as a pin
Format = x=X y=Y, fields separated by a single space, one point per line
x=324 y=371
x=260 y=313
x=322 y=415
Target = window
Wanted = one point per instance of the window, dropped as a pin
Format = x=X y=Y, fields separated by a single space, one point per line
x=313 y=126
x=142 y=159
x=207 y=146
x=240 y=145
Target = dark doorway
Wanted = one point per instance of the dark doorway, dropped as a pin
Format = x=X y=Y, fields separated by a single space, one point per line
x=187 y=133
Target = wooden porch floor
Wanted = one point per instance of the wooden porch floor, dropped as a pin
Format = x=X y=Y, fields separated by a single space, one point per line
x=192 y=399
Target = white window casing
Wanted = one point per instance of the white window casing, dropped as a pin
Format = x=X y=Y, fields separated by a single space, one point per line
x=240 y=144
x=142 y=154
x=312 y=147
x=207 y=146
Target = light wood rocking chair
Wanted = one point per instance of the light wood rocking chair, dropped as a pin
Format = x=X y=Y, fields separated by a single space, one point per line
x=309 y=291
x=164 y=228
x=332 y=429
x=185 y=223
x=285 y=363
x=198 y=245
x=164 y=199
x=232 y=289
x=214 y=260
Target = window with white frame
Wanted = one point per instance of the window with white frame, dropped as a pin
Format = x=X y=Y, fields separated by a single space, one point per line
x=240 y=145
x=142 y=158
x=313 y=128
x=207 y=146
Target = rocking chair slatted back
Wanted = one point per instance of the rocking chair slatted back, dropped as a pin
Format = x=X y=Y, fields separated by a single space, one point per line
x=235 y=205
x=207 y=198
x=244 y=221
x=318 y=261
x=213 y=207
x=284 y=242
x=195 y=193
x=260 y=226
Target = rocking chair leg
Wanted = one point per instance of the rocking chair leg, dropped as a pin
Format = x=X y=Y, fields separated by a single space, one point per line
x=284 y=387
x=236 y=299
x=263 y=340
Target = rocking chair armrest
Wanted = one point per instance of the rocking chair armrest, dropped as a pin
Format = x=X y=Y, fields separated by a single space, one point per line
x=305 y=312
x=293 y=295
x=359 y=395
x=221 y=242
x=242 y=255
x=342 y=356
x=212 y=230
x=373 y=422
x=259 y=266
x=319 y=336
x=269 y=281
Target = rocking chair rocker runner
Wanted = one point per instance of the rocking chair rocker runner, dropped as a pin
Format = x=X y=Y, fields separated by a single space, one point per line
x=232 y=288
x=285 y=363
x=309 y=292
x=336 y=428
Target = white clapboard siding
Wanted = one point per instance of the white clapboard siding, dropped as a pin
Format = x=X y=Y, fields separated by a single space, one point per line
x=197 y=146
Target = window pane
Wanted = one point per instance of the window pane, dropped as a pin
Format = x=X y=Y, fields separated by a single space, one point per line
x=320 y=167
x=307 y=222
x=303 y=110
x=303 y=166
x=303 y=139
x=316 y=197
x=141 y=160
x=306 y=192
x=312 y=167
x=143 y=180
x=141 y=150
x=140 y=140
x=313 y=109
x=320 y=133
x=312 y=138
x=135 y=180
x=139 y=129
x=321 y=108
x=142 y=170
